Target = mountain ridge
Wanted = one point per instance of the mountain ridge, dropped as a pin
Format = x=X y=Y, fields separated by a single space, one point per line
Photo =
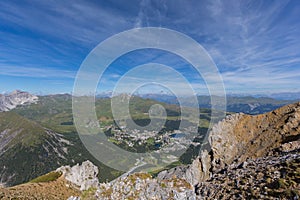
x=16 y=98
x=36 y=148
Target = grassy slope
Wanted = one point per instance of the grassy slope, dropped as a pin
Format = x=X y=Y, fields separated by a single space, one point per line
x=23 y=156
x=26 y=158
x=29 y=133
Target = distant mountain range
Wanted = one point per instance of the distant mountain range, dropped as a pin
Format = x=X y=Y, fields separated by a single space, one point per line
x=16 y=98
x=245 y=104
x=278 y=96
x=286 y=95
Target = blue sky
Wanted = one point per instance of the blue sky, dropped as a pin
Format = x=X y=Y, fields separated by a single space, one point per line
x=255 y=44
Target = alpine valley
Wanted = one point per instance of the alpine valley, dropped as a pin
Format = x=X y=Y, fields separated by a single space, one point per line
x=246 y=156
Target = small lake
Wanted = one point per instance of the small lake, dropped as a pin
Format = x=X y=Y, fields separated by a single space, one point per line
x=178 y=135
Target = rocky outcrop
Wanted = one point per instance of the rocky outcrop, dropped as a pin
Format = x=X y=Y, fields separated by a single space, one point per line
x=143 y=187
x=243 y=136
x=84 y=176
x=290 y=146
x=16 y=98
x=193 y=174
x=271 y=177
x=269 y=137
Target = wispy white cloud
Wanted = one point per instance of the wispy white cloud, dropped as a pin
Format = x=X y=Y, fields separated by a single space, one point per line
x=84 y=23
x=260 y=47
x=35 y=72
x=142 y=15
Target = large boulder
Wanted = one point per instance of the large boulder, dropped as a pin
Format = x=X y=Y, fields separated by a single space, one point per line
x=142 y=186
x=83 y=176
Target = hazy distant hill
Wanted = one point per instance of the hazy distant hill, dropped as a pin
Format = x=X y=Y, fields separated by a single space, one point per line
x=286 y=95
x=245 y=104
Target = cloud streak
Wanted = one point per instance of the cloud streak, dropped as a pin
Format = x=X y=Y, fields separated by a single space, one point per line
x=34 y=72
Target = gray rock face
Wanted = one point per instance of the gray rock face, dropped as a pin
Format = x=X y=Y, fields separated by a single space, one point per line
x=223 y=143
x=16 y=98
x=290 y=146
x=73 y=198
x=255 y=179
x=84 y=176
x=197 y=172
x=143 y=187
